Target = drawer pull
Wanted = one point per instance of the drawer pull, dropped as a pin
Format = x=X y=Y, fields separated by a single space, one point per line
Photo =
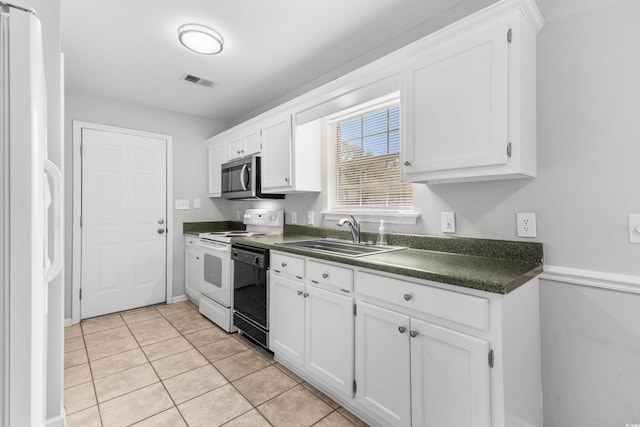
x=407 y=297
x=284 y=265
x=325 y=275
x=413 y=334
x=300 y=292
x=401 y=329
x=315 y=281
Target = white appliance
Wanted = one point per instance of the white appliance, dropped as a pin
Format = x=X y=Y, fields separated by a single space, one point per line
x=216 y=295
x=26 y=267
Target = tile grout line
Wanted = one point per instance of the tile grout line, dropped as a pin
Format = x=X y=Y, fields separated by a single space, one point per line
x=93 y=383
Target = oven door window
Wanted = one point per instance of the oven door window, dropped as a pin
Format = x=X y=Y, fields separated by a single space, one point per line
x=216 y=278
x=250 y=292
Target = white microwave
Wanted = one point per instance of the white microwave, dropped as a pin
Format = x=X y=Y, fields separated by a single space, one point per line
x=241 y=180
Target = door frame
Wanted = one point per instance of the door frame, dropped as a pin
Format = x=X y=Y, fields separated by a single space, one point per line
x=76 y=280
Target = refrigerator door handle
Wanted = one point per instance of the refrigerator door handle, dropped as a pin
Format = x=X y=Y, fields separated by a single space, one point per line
x=56 y=197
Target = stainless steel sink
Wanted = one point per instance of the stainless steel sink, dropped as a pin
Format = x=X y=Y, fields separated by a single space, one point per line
x=341 y=247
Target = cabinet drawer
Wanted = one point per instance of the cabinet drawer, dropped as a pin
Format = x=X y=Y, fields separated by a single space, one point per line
x=287 y=264
x=338 y=278
x=190 y=240
x=457 y=307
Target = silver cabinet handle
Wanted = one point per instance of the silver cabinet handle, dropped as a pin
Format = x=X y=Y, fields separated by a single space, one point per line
x=407 y=297
x=413 y=334
x=160 y=230
x=300 y=292
x=325 y=275
x=305 y=295
x=161 y=221
x=284 y=265
x=407 y=163
x=286 y=180
x=401 y=329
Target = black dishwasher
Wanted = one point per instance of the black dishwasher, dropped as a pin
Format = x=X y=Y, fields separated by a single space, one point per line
x=251 y=292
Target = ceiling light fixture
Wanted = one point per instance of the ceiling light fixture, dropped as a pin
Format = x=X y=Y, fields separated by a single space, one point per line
x=200 y=39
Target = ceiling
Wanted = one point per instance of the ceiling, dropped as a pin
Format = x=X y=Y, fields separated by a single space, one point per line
x=274 y=49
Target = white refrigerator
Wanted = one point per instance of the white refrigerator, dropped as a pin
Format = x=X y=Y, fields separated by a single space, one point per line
x=30 y=219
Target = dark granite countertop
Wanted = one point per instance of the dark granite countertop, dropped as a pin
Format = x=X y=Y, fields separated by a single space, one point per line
x=497 y=266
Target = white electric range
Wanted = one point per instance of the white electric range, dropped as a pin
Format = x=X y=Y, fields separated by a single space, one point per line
x=216 y=301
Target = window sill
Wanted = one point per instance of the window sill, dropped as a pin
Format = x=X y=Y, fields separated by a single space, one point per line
x=405 y=218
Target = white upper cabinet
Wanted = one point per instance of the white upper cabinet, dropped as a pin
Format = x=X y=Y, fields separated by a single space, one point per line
x=217 y=156
x=243 y=142
x=469 y=99
x=290 y=155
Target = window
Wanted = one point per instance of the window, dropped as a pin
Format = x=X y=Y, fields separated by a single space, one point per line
x=367 y=162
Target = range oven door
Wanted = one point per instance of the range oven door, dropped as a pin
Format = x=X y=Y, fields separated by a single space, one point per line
x=216 y=262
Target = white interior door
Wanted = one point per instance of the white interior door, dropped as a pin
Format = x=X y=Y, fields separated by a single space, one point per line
x=124 y=215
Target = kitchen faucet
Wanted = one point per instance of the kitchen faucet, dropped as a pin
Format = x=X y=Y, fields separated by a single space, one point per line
x=354 y=225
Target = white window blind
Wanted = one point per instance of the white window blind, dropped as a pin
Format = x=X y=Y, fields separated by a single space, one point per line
x=367 y=162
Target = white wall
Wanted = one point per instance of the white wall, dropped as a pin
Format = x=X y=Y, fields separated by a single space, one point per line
x=588 y=95
x=189 y=163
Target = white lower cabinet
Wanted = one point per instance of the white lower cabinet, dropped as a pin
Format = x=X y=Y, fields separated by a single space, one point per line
x=382 y=364
x=193 y=268
x=313 y=329
x=418 y=353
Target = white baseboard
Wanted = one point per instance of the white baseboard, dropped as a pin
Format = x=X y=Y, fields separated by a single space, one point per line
x=591 y=278
x=180 y=298
x=68 y=322
x=58 y=421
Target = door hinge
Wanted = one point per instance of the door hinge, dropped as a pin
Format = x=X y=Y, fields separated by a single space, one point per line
x=81 y=145
x=509 y=35
x=80 y=293
x=355 y=309
x=80 y=222
x=490 y=358
x=509 y=150
x=355 y=387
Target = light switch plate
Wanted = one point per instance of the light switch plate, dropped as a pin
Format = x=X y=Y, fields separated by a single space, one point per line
x=182 y=204
x=448 y=222
x=294 y=217
x=634 y=228
x=526 y=225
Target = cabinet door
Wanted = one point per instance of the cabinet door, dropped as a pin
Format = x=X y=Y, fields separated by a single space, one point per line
x=449 y=378
x=383 y=364
x=455 y=104
x=234 y=147
x=277 y=154
x=251 y=141
x=329 y=338
x=286 y=318
x=216 y=159
x=193 y=271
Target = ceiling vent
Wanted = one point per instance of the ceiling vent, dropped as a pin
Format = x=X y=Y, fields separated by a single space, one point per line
x=198 y=80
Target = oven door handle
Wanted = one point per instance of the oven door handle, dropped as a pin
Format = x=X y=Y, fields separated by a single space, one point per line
x=243 y=177
x=224 y=248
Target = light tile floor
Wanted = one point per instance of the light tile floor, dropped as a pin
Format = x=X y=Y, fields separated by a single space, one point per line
x=169 y=366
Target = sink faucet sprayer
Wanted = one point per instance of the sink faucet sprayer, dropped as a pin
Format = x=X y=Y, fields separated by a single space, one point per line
x=354 y=225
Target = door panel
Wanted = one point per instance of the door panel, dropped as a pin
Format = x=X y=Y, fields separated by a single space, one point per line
x=382 y=364
x=450 y=378
x=286 y=318
x=123 y=198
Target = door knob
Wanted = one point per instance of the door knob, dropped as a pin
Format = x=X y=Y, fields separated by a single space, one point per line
x=407 y=297
x=413 y=334
x=401 y=329
x=161 y=221
x=160 y=230
x=407 y=163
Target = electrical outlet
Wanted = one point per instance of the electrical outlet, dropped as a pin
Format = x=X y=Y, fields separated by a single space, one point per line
x=294 y=217
x=526 y=225
x=310 y=218
x=448 y=222
x=237 y=214
x=182 y=204
x=196 y=204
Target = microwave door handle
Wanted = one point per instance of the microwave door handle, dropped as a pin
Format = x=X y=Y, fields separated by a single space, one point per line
x=243 y=177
